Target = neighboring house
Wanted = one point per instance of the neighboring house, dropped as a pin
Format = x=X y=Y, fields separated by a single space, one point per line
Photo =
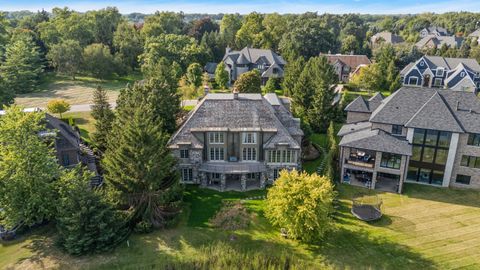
x=346 y=65
x=427 y=136
x=237 y=141
x=432 y=41
x=69 y=148
x=267 y=62
x=433 y=31
x=475 y=35
x=385 y=38
x=441 y=72
x=210 y=68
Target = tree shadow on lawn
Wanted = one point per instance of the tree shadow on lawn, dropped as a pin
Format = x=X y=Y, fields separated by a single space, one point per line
x=347 y=249
x=466 y=197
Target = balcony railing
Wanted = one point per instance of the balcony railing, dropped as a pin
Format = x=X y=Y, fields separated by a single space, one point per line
x=360 y=163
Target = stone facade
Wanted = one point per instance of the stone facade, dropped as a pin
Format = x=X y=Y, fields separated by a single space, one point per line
x=465 y=149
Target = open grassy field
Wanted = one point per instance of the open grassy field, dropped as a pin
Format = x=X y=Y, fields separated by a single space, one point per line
x=78 y=91
x=425 y=228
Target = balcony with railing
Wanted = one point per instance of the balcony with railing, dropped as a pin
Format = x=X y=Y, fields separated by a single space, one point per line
x=359 y=158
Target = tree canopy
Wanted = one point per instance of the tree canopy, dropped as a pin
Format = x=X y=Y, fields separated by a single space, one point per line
x=249 y=82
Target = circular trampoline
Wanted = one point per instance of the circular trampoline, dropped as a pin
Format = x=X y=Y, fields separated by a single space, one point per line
x=367 y=207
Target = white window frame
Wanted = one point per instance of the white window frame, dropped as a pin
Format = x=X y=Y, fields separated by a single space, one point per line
x=422 y=64
x=249 y=154
x=216 y=138
x=439 y=75
x=435 y=82
x=187 y=175
x=184 y=153
x=462 y=74
x=217 y=154
x=410 y=80
x=249 y=138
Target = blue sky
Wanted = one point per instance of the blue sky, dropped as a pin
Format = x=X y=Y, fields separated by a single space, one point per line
x=246 y=6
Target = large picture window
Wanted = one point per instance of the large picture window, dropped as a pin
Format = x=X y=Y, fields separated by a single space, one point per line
x=391 y=161
x=429 y=156
x=187 y=175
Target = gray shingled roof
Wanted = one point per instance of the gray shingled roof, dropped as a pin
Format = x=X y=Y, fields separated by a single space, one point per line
x=435 y=114
x=475 y=33
x=251 y=55
x=351 y=128
x=357 y=105
x=377 y=140
x=248 y=112
x=410 y=104
x=367 y=106
x=389 y=37
x=451 y=41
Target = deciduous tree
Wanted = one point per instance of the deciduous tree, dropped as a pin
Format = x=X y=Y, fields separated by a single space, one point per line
x=98 y=61
x=58 y=106
x=28 y=168
x=194 y=75
x=301 y=203
x=221 y=76
x=66 y=57
x=249 y=82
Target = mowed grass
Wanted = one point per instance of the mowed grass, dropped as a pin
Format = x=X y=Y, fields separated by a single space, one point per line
x=425 y=228
x=84 y=121
x=78 y=91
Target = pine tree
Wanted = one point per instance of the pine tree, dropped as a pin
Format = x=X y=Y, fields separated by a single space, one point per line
x=271 y=85
x=7 y=94
x=140 y=170
x=393 y=77
x=103 y=115
x=292 y=72
x=22 y=67
x=28 y=168
x=221 y=76
x=86 y=223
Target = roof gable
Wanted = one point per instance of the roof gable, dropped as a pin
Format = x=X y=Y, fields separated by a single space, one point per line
x=357 y=105
x=377 y=140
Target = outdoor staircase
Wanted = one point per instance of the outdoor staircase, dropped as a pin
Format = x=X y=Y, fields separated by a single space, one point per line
x=90 y=160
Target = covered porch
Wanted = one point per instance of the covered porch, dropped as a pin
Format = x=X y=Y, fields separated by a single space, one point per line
x=237 y=176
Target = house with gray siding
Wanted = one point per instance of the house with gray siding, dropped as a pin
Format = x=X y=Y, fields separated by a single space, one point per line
x=427 y=136
x=267 y=62
x=442 y=72
x=237 y=141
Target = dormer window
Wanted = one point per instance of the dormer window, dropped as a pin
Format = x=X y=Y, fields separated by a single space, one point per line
x=439 y=72
x=462 y=74
x=249 y=138
x=216 y=138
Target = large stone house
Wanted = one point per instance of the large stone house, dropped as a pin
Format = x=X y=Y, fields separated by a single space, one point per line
x=237 y=141
x=441 y=72
x=267 y=62
x=345 y=65
x=427 y=136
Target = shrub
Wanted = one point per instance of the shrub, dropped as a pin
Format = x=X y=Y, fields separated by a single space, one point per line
x=143 y=227
x=249 y=82
x=232 y=216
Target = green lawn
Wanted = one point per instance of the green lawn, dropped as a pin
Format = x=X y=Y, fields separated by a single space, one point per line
x=78 y=91
x=84 y=121
x=426 y=228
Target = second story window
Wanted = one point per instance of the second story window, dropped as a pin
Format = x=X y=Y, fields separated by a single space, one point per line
x=473 y=139
x=391 y=161
x=439 y=72
x=470 y=161
x=184 y=153
x=216 y=137
x=249 y=154
x=217 y=154
x=249 y=138
x=281 y=156
x=397 y=130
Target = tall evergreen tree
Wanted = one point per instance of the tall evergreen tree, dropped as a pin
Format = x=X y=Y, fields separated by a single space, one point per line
x=140 y=170
x=28 y=168
x=23 y=66
x=292 y=72
x=103 y=115
x=86 y=223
